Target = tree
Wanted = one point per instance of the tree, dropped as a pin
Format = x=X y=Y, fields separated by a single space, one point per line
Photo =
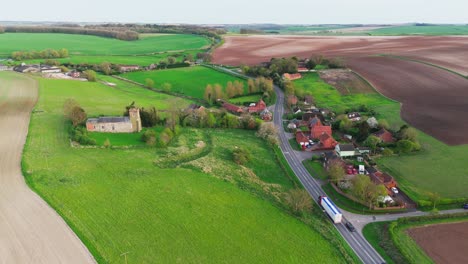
x=239 y=87
x=310 y=64
x=149 y=82
x=360 y=185
x=269 y=132
x=63 y=53
x=410 y=134
x=298 y=200
x=405 y=146
x=292 y=100
x=434 y=198
x=372 y=142
x=189 y=57
x=209 y=95
x=364 y=129
x=68 y=106
x=384 y=124
x=149 y=137
x=218 y=92
x=105 y=68
x=230 y=90
x=77 y=115
x=374 y=192
x=90 y=75
x=346 y=124
x=241 y=156
x=251 y=86
x=210 y=120
x=171 y=60
x=107 y=143
x=167 y=87
x=336 y=172
x=289 y=88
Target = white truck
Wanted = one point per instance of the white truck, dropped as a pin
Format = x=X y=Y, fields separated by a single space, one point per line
x=331 y=209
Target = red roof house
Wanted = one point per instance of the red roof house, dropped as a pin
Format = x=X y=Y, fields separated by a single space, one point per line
x=317 y=128
x=301 y=138
x=292 y=76
x=327 y=141
x=258 y=107
x=233 y=108
x=384 y=135
x=383 y=178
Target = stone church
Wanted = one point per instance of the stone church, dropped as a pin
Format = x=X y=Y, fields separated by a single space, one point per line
x=124 y=124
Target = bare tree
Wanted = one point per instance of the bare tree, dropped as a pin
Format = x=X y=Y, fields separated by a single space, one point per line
x=299 y=200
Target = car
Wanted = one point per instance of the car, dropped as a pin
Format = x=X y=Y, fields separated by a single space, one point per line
x=465 y=206
x=350 y=227
x=394 y=190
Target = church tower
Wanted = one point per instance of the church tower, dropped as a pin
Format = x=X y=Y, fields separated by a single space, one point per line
x=134 y=114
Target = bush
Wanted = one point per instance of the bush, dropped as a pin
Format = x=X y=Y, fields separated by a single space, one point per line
x=241 y=156
x=149 y=137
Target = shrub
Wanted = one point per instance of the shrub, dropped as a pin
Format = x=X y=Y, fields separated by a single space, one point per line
x=241 y=156
x=149 y=137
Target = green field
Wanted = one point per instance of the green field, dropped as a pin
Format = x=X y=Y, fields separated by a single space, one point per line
x=92 y=45
x=206 y=210
x=422 y=30
x=246 y=99
x=190 y=81
x=437 y=168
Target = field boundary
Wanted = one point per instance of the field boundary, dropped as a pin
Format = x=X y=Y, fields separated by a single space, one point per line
x=373 y=87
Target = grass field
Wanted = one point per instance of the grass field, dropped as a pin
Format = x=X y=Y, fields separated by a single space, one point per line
x=246 y=99
x=422 y=30
x=190 y=81
x=437 y=168
x=206 y=210
x=92 y=45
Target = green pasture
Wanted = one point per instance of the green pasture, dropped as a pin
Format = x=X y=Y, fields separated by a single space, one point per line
x=246 y=99
x=422 y=30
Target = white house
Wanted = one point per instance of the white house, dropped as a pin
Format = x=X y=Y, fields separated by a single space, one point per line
x=345 y=150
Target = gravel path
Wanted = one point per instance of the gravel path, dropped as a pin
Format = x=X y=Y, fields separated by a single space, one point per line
x=30 y=231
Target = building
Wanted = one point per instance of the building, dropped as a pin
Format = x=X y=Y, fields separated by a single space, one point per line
x=124 y=124
x=326 y=142
x=257 y=107
x=233 y=108
x=74 y=74
x=345 y=150
x=384 y=135
x=317 y=128
x=292 y=76
x=330 y=158
x=27 y=68
x=302 y=69
x=128 y=68
x=302 y=139
x=3 y=67
x=383 y=178
x=354 y=116
x=266 y=115
x=50 y=69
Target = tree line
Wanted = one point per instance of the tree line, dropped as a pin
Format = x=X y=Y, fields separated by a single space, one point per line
x=43 y=54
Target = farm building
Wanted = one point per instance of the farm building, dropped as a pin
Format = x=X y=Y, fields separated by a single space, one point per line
x=128 y=68
x=266 y=115
x=3 y=67
x=382 y=178
x=50 y=69
x=124 y=124
x=292 y=76
x=233 y=108
x=27 y=68
x=257 y=107
x=345 y=150
x=384 y=135
x=302 y=69
x=317 y=128
x=74 y=74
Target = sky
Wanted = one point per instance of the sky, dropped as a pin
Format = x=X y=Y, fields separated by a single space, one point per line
x=238 y=11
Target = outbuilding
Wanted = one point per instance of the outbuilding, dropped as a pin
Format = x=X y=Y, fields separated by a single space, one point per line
x=345 y=150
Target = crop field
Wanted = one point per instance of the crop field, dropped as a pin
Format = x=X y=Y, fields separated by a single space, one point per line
x=190 y=81
x=92 y=45
x=187 y=203
x=422 y=30
x=417 y=174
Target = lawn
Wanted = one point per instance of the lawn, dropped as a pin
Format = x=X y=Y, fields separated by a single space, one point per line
x=205 y=210
x=437 y=168
x=422 y=30
x=246 y=99
x=92 y=45
x=190 y=81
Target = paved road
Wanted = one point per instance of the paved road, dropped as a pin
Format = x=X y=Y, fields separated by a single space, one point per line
x=30 y=231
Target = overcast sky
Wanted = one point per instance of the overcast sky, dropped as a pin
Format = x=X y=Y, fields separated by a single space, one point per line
x=238 y=11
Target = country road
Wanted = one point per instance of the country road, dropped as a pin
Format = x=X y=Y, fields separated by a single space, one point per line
x=30 y=230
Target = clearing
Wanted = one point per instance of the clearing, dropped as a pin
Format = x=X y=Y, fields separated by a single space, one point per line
x=346 y=81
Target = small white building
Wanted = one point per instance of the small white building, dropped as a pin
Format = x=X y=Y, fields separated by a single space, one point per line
x=3 y=67
x=50 y=69
x=345 y=150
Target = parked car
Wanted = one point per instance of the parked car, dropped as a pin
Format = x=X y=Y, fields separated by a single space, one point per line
x=350 y=227
x=465 y=206
x=394 y=190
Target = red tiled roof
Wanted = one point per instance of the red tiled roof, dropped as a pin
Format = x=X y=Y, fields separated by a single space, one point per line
x=232 y=108
x=292 y=76
x=384 y=135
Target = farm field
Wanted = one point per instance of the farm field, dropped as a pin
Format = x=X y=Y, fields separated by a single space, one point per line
x=135 y=200
x=449 y=52
x=417 y=173
x=422 y=30
x=190 y=81
x=92 y=45
x=345 y=81
x=246 y=99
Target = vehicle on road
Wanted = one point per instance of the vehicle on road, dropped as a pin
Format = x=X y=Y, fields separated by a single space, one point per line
x=394 y=190
x=350 y=227
x=465 y=206
x=330 y=208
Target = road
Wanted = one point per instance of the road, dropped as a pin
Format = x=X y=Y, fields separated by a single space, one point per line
x=30 y=230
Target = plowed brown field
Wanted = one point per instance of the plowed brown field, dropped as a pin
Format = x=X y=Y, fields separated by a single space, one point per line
x=444 y=243
x=449 y=52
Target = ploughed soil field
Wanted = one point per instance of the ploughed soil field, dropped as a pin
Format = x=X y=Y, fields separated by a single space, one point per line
x=444 y=243
x=449 y=52
x=433 y=100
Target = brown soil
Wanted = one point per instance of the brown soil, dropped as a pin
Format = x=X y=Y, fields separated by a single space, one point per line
x=449 y=52
x=444 y=243
x=434 y=100
x=30 y=231
x=345 y=81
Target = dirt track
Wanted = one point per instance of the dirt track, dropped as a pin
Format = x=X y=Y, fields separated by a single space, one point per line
x=30 y=231
x=434 y=101
x=449 y=52
x=444 y=243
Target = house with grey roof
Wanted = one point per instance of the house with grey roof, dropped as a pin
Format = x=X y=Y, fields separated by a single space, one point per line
x=121 y=124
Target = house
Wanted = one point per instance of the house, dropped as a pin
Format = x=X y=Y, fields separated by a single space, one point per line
x=27 y=68
x=266 y=115
x=317 y=128
x=385 y=136
x=302 y=69
x=257 y=107
x=194 y=107
x=345 y=150
x=128 y=68
x=330 y=158
x=74 y=74
x=50 y=69
x=307 y=116
x=233 y=108
x=383 y=178
x=125 y=124
x=302 y=139
x=326 y=142
x=354 y=116
x=292 y=76
x=3 y=67
x=363 y=150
